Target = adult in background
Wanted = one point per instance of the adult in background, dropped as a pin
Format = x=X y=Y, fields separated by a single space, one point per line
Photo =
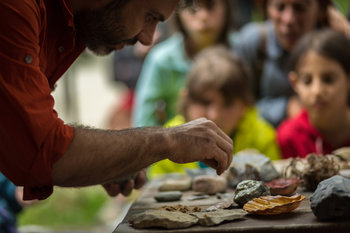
x=39 y=40
x=266 y=48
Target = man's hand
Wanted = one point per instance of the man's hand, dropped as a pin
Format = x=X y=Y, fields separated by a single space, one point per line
x=125 y=188
x=201 y=140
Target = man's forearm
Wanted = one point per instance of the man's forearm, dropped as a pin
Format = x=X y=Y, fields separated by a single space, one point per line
x=101 y=156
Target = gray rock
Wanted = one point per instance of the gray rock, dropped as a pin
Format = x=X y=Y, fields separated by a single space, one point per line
x=250 y=166
x=218 y=216
x=209 y=184
x=168 y=196
x=162 y=218
x=249 y=189
x=331 y=199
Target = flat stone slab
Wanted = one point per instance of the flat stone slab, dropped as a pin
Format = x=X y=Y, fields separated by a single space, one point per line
x=162 y=218
x=218 y=216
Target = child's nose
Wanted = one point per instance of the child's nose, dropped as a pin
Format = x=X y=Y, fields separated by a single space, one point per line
x=317 y=88
x=212 y=113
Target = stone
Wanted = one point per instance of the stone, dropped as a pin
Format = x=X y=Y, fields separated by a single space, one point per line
x=249 y=189
x=181 y=208
x=331 y=199
x=250 y=166
x=181 y=183
x=221 y=205
x=168 y=196
x=209 y=184
x=163 y=219
x=218 y=216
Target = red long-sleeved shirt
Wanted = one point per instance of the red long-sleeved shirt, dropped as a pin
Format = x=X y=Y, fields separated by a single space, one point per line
x=37 y=45
x=298 y=138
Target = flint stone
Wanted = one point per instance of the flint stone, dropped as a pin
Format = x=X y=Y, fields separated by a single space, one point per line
x=162 y=218
x=251 y=166
x=168 y=196
x=331 y=199
x=249 y=189
x=209 y=184
x=216 y=217
x=177 y=184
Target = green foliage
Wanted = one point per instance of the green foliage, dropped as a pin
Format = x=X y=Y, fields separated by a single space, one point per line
x=66 y=209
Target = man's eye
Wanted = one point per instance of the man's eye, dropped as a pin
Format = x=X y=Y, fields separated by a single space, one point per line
x=151 y=19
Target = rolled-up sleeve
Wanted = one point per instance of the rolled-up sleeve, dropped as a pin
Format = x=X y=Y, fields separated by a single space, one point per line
x=32 y=137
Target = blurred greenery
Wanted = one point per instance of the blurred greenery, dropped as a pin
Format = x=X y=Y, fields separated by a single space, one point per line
x=66 y=209
x=343 y=5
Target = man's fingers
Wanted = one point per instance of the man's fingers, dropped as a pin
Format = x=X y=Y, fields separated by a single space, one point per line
x=218 y=162
x=127 y=188
x=112 y=189
x=224 y=142
x=211 y=163
x=140 y=179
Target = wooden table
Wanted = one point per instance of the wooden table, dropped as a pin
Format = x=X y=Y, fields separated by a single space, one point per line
x=300 y=220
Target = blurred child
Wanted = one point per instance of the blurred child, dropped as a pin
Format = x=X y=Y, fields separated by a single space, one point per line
x=164 y=71
x=321 y=78
x=218 y=89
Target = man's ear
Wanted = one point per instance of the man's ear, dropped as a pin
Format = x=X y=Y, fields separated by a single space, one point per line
x=293 y=79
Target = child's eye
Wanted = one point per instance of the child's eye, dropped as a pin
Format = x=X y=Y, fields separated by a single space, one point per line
x=328 y=78
x=280 y=6
x=306 y=79
x=300 y=7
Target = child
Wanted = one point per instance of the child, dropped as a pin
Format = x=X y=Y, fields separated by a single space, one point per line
x=321 y=78
x=218 y=89
x=164 y=72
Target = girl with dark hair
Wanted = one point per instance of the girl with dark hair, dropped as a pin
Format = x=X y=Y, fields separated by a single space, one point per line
x=321 y=78
x=164 y=70
x=266 y=48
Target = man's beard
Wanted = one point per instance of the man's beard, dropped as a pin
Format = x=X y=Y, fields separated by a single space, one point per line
x=100 y=29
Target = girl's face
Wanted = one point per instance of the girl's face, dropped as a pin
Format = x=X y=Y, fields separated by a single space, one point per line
x=292 y=19
x=322 y=86
x=204 y=23
x=213 y=107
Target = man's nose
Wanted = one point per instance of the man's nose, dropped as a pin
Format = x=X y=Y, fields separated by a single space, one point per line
x=146 y=35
